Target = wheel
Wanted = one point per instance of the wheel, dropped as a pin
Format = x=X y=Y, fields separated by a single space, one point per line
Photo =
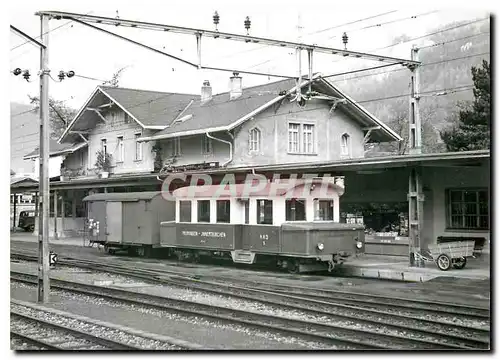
x=459 y=263
x=443 y=262
x=293 y=266
x=31 y=228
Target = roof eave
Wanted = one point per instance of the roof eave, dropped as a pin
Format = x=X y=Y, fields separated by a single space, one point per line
x=392 y=135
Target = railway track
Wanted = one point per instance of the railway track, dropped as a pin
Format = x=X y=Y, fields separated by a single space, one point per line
x=50 y=335
x=366 y=301
x=358 y=336
x=53 y=329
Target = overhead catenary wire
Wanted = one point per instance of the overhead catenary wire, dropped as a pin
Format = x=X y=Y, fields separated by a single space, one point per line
x=416 y=38
x=423 y=65
x=451 y=41
x=389 y=22
x=47 y=32
x=308 y=34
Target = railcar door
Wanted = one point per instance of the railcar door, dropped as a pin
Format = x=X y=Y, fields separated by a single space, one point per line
x=114 y=221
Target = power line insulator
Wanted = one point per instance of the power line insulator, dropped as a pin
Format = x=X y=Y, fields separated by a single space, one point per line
x=26 y=75
x=216 y=18
x=247 y=24
x=17 y=71
x=61 y=75
x=344 y=40
x=70 y=74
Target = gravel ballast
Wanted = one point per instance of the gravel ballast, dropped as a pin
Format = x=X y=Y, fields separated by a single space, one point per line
x=198 y=330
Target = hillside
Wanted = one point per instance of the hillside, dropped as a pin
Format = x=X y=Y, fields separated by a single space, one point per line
x=444 y=66
x=23 y=136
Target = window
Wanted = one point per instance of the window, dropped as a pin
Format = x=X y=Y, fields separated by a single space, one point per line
x=265 y=212
x=308 y=138
x=206 y=145
x=104 y=146
x=467 y=209
x=293 y=138
x=254 y=140
x=295 y=210
x=301 y=138
x=247 y=211
x=185 y=211
x=138 y=147
x=81 y=157
x=344 y=145
x=203 y=210
x=121 y=149
x=323 y=210
x=223 y=211
x=176 y=146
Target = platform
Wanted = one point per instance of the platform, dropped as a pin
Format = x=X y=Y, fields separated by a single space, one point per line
x=398 y=268
x=29 y=237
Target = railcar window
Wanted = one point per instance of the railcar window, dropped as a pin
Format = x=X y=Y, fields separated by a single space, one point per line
x=247 y=212
x=204 y=211
x=265 y=212
x=223 y=211
x=185 y=211
x=323 y=210
x=295 y=210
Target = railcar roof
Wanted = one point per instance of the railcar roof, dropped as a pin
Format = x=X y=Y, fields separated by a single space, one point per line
x=293 y=189
x=128 y=196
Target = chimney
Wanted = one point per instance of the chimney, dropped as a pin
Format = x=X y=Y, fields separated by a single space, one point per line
x=236 y=89
x=206 y=92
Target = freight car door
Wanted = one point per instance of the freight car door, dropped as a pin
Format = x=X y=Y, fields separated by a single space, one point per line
x=114 y=221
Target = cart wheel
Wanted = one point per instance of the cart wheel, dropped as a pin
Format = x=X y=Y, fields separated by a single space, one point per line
x=460 y=262
x=443 y=262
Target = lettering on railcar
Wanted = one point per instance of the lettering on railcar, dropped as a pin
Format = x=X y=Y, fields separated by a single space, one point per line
x=204 y=233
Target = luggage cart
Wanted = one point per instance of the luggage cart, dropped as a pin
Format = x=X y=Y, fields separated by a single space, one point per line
x=449 y=254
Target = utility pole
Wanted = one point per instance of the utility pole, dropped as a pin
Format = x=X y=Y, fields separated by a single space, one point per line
x=43 y=217
x=415 y=126
x=415 y=188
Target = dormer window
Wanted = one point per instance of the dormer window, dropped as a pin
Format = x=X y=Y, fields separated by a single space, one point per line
x=344 y=145
x=254 y=140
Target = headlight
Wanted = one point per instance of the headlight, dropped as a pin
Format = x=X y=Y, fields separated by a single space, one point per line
x=359 y=244
x=321 y=246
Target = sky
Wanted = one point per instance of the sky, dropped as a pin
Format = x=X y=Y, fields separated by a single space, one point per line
x=97 y=55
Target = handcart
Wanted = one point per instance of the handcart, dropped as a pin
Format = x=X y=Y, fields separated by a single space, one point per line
x=449 y=254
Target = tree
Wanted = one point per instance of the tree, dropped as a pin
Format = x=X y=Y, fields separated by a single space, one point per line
x=472 y=131
x=115 y=78
x=60 y=115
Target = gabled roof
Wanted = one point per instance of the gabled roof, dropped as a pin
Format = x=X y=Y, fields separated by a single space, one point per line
x=150 y=109
x=56 y=149
x=21 y=179
x=222 y=114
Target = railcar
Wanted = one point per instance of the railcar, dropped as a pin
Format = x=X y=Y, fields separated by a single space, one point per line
x=292 y=223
